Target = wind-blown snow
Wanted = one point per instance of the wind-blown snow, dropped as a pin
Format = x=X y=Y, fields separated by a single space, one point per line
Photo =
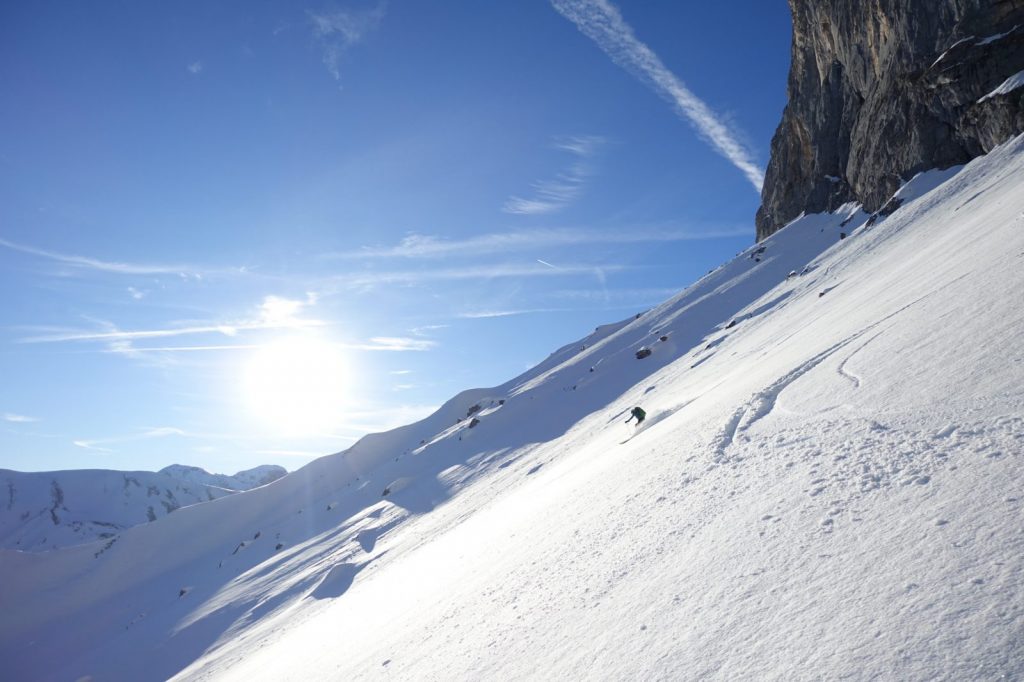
x=827 y=487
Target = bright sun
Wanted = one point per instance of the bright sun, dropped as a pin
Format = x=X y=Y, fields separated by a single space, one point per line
x=297 y=385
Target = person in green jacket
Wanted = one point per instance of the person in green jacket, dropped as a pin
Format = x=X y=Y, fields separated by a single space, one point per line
x=639 y=414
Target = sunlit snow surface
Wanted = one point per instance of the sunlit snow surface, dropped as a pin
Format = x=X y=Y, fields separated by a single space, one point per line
x=828 y=486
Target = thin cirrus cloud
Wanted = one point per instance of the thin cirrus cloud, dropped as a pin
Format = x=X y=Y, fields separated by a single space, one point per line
x=616 y=295
x=18 y=418
x=109 y=443
x=377 y=343
x=98 y=443
x=114 y=267
x=480 y=272
x=601 y=21
x=142 y=334
x=596 y=297
x=396 y=343
x=338 y=31
x=486 y=314
x=275 y=312
x=427 y=246
x=553 y=195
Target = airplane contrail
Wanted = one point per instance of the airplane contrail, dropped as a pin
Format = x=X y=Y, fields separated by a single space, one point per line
x=601 y=21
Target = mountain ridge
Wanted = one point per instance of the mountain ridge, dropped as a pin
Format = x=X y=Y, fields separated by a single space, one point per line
x=49 y=509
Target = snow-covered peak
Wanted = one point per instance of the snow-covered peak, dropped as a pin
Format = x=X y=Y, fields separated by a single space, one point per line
x=243 y=480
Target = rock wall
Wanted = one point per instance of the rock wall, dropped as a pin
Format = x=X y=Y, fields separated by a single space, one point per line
x=882 y=89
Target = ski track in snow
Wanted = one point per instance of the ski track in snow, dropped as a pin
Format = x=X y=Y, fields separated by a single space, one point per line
x=765 y=401
x=848 y=374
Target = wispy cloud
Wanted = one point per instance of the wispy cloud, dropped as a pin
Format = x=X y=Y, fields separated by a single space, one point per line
x=195 y=67
x=601 y=21
x=138 y=351
x=377 y=343
x=396 y=343
x=274 y=312
x=590 y=294
x=139 y=334
x=552 y=195
x=120 y=268
x=337 y=31
x=427 y=246
x=425 y=330
x=18 y=418
x=146 y=434
x=281 y=311
x=485 y=314
x=482 y=272
x=89 y=445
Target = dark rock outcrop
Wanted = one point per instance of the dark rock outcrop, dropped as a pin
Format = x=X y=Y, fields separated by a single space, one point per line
x=882 y=89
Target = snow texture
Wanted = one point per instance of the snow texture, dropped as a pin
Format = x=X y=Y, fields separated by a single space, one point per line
x=827 y=487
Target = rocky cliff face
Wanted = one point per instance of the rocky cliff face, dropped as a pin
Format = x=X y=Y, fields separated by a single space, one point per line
x=882 y=89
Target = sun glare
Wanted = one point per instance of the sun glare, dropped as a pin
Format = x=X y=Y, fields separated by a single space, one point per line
x=297 y=385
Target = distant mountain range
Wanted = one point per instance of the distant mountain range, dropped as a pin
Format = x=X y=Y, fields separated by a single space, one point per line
x=49 y=509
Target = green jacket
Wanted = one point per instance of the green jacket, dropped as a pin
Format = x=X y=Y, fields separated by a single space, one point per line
x=638 y=413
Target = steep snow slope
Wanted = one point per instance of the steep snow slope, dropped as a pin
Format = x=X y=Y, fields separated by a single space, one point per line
x=827 y=486
x=49 y=509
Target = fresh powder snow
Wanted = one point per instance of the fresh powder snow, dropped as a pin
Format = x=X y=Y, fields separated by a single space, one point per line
x=827 y=486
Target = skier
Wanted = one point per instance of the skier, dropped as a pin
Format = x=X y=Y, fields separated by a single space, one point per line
x=639 y=414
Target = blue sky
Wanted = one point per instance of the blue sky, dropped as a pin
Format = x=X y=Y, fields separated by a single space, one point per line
x=249 y=232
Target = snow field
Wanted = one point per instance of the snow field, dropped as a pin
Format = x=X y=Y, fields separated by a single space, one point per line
x=826 y=487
